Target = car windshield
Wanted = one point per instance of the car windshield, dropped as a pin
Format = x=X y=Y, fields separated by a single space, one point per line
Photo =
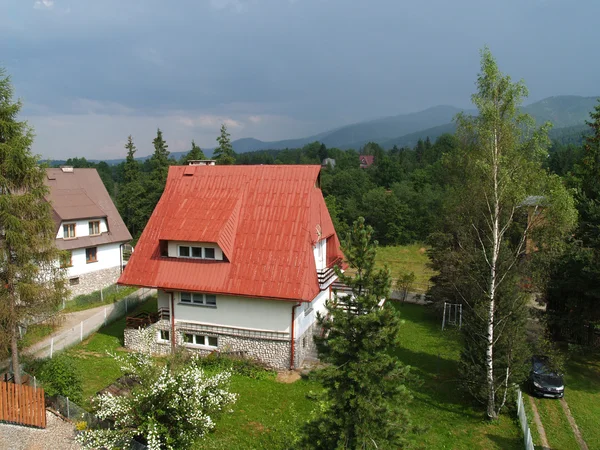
x=540 y=367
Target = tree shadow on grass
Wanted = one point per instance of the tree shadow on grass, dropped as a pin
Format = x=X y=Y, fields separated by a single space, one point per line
x=506 y=442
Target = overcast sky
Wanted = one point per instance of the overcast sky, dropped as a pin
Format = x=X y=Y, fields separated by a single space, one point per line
x=91 y=72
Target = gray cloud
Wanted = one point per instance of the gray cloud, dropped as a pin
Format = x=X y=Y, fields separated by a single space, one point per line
x=107 y=69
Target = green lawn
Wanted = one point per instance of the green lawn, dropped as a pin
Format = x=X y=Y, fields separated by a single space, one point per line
x=110 y=295
x=404 y=259
x=36 y=333
x=452 y=421
x=270 y=414
x=582 y=392
x=558 y=431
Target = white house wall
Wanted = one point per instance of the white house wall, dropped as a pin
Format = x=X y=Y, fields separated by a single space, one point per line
x=108 y=255
x=238 y=312
x=320 y=253
x=82 y=227
x=303 y=320
x=172 y=248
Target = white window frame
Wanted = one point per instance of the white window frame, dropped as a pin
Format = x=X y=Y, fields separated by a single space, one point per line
x=200 y=340
x=159 y=337
x=197 y=299
x=308 y=308
x=202 y=252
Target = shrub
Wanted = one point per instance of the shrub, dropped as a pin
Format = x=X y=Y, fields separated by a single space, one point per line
x=60 y=376
x=172 y=406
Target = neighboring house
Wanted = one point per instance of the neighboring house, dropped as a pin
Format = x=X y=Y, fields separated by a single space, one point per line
x=328 y=163
x=88 y=227
x=242 y=257
x=366 y=161
x=535 y=205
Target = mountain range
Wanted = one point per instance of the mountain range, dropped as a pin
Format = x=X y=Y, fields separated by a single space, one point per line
x=567 y=113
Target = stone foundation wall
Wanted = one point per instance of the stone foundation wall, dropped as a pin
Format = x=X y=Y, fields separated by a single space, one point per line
x=305 y=346
x=274 y=353
x=94 y=281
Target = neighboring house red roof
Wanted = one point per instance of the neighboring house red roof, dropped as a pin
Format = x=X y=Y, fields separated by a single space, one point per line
x=80 y=194
x=266 y=220
x=366 y=161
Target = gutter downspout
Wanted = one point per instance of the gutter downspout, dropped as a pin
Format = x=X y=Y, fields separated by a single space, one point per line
x=121 y=255
x=173 y=342
x=292 y=345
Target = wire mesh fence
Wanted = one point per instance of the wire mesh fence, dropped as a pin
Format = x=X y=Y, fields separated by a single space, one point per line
x=528 y=441
x=78 y=332
x=106 y=295
x=76 y=413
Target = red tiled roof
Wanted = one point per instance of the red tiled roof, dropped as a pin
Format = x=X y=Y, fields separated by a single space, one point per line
x=366 y=161
x=266 y=220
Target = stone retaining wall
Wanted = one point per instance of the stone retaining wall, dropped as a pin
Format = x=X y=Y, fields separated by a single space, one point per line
x=305 y=346
x=94 y=281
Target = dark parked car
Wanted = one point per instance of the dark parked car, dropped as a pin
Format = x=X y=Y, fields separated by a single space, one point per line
x=545 y=381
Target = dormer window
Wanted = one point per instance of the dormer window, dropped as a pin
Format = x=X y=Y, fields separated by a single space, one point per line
x=188 y=251
x=94 y=227
x=69 y=231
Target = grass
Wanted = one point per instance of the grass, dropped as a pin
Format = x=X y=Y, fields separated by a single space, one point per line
x=406 y=259
x=270 y=414
x=439 y=404
x=582 y=392
x=36 y=332
x=100 y=369
x=94 y=299
x=558 y=431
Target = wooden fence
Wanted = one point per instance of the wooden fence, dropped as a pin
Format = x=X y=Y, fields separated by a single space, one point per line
x=22 y=405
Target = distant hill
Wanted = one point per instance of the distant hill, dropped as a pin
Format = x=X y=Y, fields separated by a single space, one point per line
x=565 y=112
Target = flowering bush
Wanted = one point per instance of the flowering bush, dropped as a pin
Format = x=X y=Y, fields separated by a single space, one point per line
x=170 y=407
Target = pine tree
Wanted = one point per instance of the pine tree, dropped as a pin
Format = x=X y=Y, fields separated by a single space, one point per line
x=195 y=154
x=365 y=396
x=31 y=282
x=131 y=192
x=224 y=153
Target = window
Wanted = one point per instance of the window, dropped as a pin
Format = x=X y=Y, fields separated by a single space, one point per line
x=66 y=259
x=200 y=339
x=73 y=281
x=69 y=231
x=94 y=227
x=198 y=299
x=163 y=335
x=196 y=252
x=164 y=247
x=308 y=307
x=91 y=255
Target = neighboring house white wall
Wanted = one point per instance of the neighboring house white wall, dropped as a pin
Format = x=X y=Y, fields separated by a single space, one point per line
x=320 y=252
x=108 y=256
x=238 y=312
x=173 y=248
x=82 y=227
x=306 y=314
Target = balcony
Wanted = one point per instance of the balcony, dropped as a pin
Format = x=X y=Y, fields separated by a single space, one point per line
x=145 y=319
x=325 y=276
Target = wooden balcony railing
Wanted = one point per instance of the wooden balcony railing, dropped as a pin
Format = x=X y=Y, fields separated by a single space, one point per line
x=145 y=319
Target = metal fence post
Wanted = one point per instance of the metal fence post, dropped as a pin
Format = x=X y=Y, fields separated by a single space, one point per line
x=101 y=295
x=68 y=409
x=81 y=331
x=125 y=304
x=105 y=316
x=51 y=347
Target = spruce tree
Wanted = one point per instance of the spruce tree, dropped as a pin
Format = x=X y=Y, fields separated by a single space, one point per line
x=31 y=282
x=156 y=180
x=364 y=405
x=195 y=154
x=224 y=153
x=131 y=192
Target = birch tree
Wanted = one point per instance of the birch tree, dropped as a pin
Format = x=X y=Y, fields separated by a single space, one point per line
x=496 y=169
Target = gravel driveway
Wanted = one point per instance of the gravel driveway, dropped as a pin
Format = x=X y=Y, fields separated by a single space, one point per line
x=57 y=435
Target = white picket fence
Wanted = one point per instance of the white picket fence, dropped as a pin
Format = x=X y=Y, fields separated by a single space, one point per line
x=523 y=421
x=79 y=332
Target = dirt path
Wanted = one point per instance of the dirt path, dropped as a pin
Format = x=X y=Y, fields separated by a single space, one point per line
x=574 y=427
x=538 y=424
